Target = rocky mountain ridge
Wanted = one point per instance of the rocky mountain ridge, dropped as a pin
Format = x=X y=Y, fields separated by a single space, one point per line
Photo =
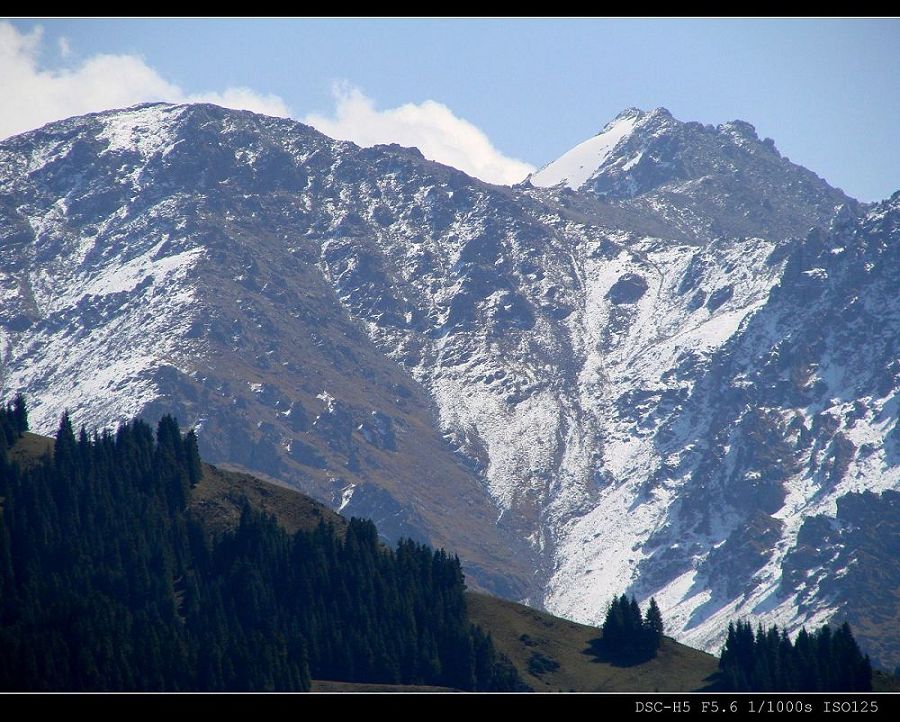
x=656 y=378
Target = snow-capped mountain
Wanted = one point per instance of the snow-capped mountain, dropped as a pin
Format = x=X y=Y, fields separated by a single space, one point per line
x=164 y=259
x=640 y=370
x=705 y=181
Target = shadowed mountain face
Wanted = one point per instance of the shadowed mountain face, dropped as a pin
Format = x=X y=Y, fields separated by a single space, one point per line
x=652 y=377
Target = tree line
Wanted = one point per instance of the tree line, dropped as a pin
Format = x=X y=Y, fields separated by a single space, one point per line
x=108 y=582
x=825 y=661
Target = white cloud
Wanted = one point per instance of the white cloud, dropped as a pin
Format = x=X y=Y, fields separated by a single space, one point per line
x=430 y=126
x=31 y=96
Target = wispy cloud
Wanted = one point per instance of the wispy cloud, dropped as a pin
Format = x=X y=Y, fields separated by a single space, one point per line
x=430 y=126
x=31 y=95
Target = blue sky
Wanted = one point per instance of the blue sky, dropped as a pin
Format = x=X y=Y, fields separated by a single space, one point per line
x=495 y=97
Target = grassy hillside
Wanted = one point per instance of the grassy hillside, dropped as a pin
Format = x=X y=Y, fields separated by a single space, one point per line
x=219 y=496
x=30 y=448
x=533 y=640
x=554 y=654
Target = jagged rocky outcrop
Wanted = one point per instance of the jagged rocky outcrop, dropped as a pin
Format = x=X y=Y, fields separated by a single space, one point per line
x=640 y=370
x=705 y=181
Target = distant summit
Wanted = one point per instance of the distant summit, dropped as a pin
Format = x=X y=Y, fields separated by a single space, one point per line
x=734 y=183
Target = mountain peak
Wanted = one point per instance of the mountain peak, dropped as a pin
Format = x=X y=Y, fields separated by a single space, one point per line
x=741 y=128
x=640 y=114
x=578 y=165
x=575 y=167
x=649 y=154
x=630 y=112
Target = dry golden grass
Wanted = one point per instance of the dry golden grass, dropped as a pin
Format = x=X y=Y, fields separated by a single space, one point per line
x=524 y=634
x=28 y=450
x=219 y=497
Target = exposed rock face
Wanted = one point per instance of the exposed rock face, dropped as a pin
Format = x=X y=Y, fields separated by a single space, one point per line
x=704 y=180
x=655 y=375
x=165 y=259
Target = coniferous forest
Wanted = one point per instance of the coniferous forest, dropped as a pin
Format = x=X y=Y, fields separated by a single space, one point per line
x=107 y=582
x=824 y=661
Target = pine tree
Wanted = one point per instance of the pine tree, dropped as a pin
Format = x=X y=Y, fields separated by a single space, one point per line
x=192 y=452
x=20 y=414
x=64 y=447
x=614 y=626
x=627 y=635
x=653 y=619
x=634 y=619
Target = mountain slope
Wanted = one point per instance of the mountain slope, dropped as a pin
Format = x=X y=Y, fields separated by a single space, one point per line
x=791 y=419
x=556 y=655
x=175 y=272
x=654 y=380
